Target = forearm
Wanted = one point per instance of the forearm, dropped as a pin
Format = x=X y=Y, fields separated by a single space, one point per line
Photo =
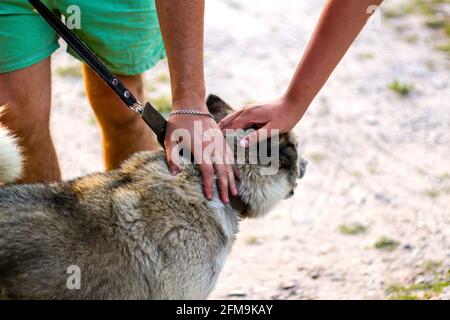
x=340 y=23
x=182 y=24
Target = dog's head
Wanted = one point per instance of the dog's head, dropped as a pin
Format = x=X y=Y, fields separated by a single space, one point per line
x=268 y=171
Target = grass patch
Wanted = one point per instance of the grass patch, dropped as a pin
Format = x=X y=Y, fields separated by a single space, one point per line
x=372 y=169
x=444 y=177
x=412 y=38
x=424 y=7
x=423 y=290
x=444 y=47
x=163 y=104
x=317 y=157
x=403 y=89
x=70 y=71
x=387 y=244
x=392 y=13
x=150 y=88
x=436 y=18
x=435 y=23
x=431 y=266
x=252 y=240
x=352 y=229
x=92 y=121
x=163 y=78
x=432 y=193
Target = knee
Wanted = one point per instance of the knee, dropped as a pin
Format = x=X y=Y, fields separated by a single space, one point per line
x=25 y=117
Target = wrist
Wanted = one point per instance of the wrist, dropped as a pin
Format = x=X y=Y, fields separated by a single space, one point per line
x=294 y=105
x=196 y=103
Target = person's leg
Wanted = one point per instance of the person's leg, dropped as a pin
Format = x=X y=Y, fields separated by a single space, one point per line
x=25 y=97
x=123 y=131
x=125 y=35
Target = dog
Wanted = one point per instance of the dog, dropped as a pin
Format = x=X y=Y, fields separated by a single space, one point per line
x=137 y=232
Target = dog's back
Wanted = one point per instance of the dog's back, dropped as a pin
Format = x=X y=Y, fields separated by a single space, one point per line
x=137 y=232
x=133 y=233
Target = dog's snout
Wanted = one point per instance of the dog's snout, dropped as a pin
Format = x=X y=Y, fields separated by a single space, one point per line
x=302 y=164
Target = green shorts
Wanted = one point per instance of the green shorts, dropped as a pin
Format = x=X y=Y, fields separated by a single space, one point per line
x=124 y=34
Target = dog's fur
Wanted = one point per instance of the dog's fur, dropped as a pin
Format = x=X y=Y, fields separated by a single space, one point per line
x=135 y=233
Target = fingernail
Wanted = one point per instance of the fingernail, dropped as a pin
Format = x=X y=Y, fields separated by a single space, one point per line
x=244 y=143
x=175 y=171
x=235 y=192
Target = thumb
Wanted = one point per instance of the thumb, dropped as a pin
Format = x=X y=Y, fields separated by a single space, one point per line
x=255 y=137
x=173 y=157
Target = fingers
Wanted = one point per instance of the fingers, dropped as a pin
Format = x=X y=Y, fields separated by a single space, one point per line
x=207 y=172
x=222 y=177
x=232 y=180
x=228 y=119
x=242 y=121
x=257 y=136
x=173 y=155
x=232 y=170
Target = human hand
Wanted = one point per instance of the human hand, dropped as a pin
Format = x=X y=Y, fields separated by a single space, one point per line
x=281 y=115
x=201 y=136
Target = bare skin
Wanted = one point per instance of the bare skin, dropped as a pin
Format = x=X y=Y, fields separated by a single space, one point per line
x=184 y=45
x=340 y=23
x=123 y=131
x=25 y=95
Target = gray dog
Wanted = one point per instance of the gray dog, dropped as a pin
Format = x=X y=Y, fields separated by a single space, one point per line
x=137 y=232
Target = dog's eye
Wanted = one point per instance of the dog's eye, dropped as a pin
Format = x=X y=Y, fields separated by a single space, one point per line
x=288 y=156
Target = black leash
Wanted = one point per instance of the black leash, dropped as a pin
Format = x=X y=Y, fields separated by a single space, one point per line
x=150 y=115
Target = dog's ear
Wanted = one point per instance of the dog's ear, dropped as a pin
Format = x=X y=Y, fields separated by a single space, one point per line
x=217 y=107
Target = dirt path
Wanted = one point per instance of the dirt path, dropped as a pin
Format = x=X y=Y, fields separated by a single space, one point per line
x=379 y=163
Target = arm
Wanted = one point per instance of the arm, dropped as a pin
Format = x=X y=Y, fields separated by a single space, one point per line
x=182 y=25
x=339 y=24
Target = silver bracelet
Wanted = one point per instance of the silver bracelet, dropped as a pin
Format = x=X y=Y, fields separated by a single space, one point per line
x=191 y=112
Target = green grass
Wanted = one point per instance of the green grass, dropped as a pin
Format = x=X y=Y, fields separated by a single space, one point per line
x=92 y=121
x=444 y=47
x=163 y=103
x=436 y=23
x=403 y=89
x=70 y=71
x=372 y=169
x=431 y=266
x=392 y=13
x=352 y=229
x=386 y=244
x=411 y=38
x=436 y=19
x=423 y=290
x=252 y=240
x=317 y=157
x=444 y=176
x=163 y=78
x=432 y=193
x=424 y=7
x=150 y=88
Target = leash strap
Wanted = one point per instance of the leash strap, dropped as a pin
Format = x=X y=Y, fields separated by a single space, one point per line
x=149 y=114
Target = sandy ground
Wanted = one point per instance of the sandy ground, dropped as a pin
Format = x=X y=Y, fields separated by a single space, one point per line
x=377 y=160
